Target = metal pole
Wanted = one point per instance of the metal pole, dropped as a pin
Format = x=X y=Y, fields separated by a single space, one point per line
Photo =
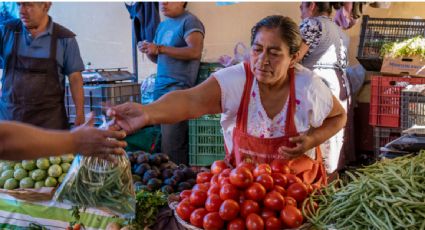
x=134 y=53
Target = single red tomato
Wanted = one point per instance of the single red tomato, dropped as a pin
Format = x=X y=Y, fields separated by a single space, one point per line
x=203 y=177
x=214 y=179
x=291 y=217
x=185 y=194
x=241 y=177
x=274 y=201
x=292 y=179
x=218 y=166
x=225 y=173
x=273 y=223
x=290 y=201
x=229 y=191
x=198 y=198
x=249 y=206
x=197 y=217
x=255 y=192
x=254 y=222
x=298 y=191
x=279 y=189
x=262 y=169
x=266 y=180
x=229 y=210
x=266 y=213
x=184 y=209
x=213 y=221
x=280 y=166
x=236 y=224
x=279 y=179
x=224 y=181
x=201 y=187
x=214 y=189
x=249 y=165
x=213 y=203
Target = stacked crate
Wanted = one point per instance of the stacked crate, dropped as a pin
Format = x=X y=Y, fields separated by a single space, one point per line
x=386 y=90
x=206 y=141
x=98 y=97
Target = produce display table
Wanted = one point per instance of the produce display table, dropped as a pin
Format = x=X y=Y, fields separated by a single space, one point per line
x=18 y=214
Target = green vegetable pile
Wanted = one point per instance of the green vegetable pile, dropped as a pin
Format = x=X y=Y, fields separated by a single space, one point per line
x=386 y=195
x=96 y=182
x=147 y=206
x=410 y=47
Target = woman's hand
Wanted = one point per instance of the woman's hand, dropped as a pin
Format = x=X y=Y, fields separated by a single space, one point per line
x=92 y=141
x=148 y=48
x=128 y=117
x=302 y=144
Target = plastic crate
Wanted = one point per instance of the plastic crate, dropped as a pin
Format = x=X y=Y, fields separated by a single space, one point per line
x=96 y=97
x=412 y=109
x=385 y=99
x=377 y=31
x=206 y=142
x=206 y=69
x=383 y=136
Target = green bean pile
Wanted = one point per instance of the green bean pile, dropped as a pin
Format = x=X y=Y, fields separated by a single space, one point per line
x=95 y=182
x=389 y=194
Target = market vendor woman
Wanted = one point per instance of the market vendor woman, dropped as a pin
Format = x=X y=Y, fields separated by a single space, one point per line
x=270 y=108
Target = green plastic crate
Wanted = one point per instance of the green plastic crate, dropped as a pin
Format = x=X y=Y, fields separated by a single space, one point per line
x=206 y=69
x=206 y=142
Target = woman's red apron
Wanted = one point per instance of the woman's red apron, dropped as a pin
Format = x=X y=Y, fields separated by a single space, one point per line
x=264 y=150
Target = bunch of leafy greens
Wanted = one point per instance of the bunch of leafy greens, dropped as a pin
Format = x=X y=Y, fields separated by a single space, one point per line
x=147 y=207
x=410 y=47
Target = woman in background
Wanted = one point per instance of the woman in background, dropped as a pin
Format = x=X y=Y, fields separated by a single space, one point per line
x=324 y=51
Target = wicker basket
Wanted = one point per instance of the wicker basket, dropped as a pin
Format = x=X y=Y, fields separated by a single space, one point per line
x=39 y=194
x=173 y=206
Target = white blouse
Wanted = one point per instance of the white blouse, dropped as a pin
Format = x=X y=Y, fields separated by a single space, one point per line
x=313 y=104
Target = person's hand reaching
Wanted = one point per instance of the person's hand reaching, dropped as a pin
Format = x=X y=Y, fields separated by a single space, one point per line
x=128 y=117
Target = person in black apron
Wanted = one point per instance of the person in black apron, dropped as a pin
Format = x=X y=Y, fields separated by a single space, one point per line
x=31 y=89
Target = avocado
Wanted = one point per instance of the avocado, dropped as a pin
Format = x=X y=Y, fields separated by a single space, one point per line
x=191 y=181
x=179 y=174
x=142 y=168
x=154 y=184
x=155 y=168
x=143 y=158
x=167 y=173
x=165 y=166
x=177 y=178
x=155 y=159
x=167 y=189
x=183 y=186
x=164 y=157
x=170 y=182
x=189 y=173
x=149 y=175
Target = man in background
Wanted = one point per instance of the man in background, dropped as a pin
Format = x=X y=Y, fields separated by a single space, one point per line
x=37 y=54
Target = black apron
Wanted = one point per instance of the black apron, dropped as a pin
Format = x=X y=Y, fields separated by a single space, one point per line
x=31 y=89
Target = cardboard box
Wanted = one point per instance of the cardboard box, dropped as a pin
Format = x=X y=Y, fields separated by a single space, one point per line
x=414 y=66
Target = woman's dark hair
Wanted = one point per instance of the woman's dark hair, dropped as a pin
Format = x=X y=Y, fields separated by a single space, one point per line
x=289 y=31
x=326 y=7
x=184 y=5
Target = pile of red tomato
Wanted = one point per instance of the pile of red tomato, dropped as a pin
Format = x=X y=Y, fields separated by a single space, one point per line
x=247 y=197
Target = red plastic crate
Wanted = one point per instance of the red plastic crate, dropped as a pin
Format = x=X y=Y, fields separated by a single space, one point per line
x=385 y=99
